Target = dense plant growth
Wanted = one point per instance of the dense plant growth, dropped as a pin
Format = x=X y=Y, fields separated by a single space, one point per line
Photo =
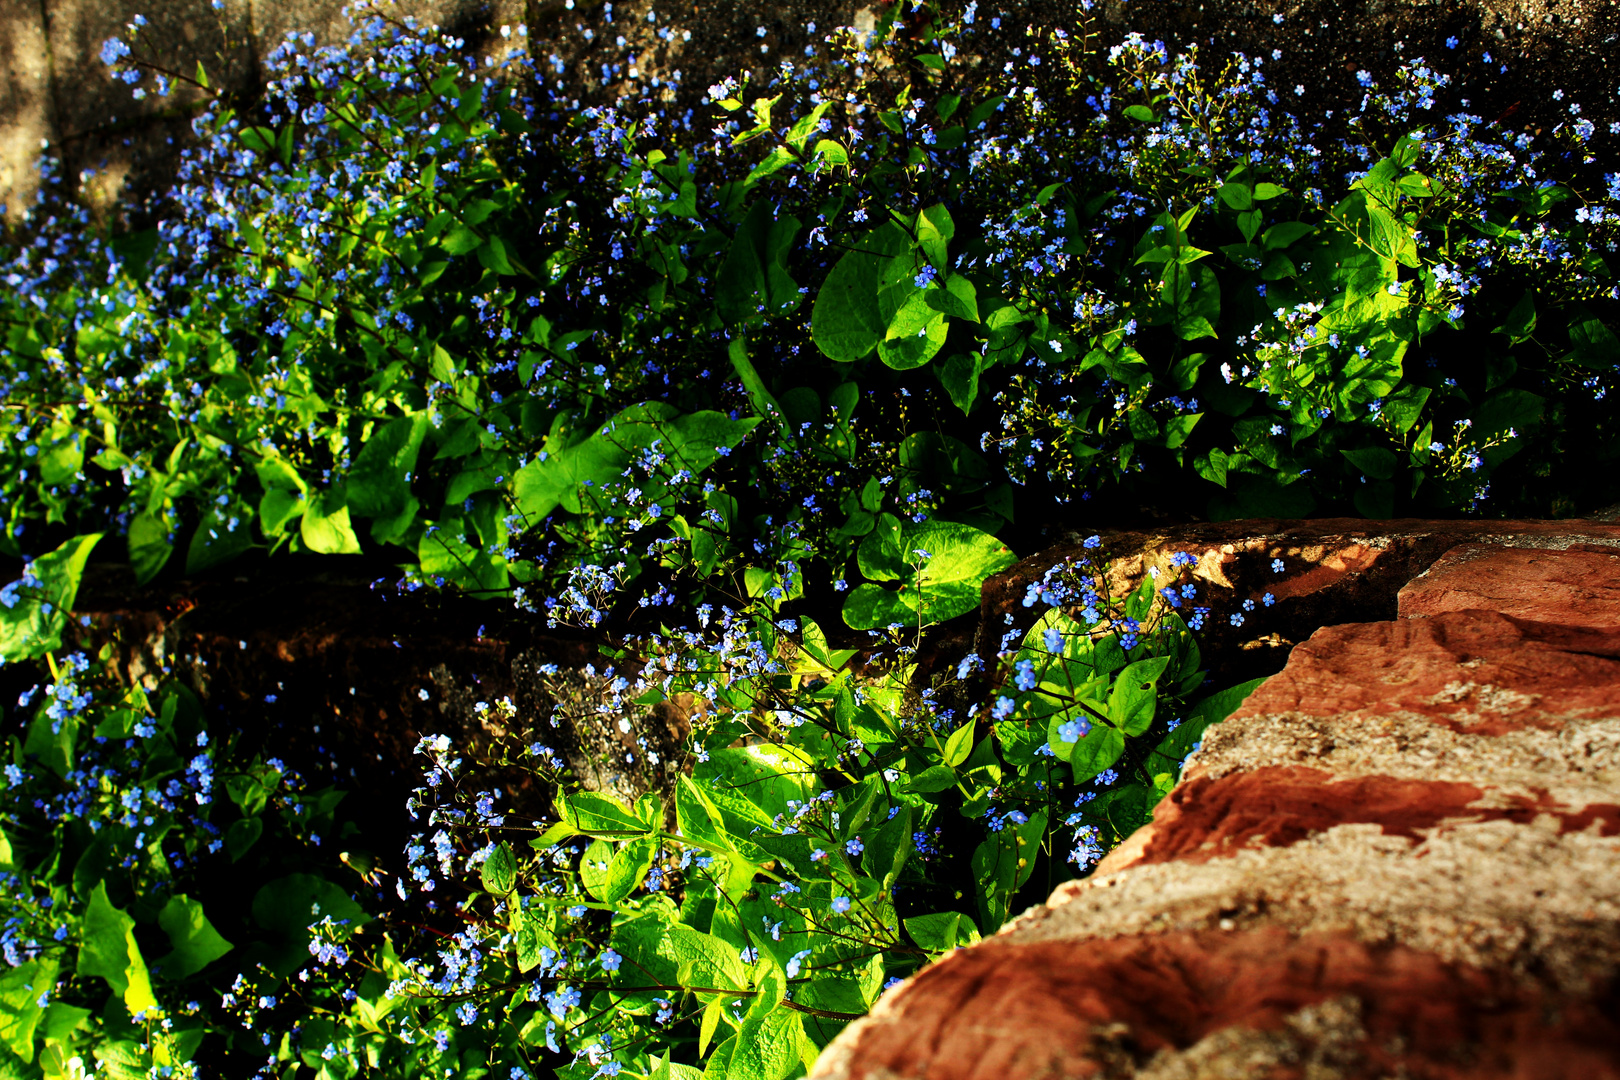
x=759 y=397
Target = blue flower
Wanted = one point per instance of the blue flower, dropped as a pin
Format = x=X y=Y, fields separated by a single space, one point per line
x=611 y=960
x=855 y=847
x=1074 y=730
x=840 y=904
x=112 y=51
x=794 y=962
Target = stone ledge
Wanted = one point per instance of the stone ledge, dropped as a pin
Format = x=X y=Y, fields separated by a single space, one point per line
x=1397 y=858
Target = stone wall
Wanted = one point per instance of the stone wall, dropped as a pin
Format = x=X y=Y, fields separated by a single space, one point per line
x=1396 y=859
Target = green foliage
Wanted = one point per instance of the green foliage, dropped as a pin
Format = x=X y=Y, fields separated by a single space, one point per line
x=808 y=865
x=694 y=384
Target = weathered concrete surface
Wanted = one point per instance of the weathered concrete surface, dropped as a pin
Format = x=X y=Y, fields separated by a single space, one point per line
x=1396 y=859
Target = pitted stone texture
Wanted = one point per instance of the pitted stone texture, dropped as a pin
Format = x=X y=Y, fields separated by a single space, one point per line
x=1396 y=859
x=1212 y=1005
x=1464 y=892
x=1475 y=671
x=1577 y=587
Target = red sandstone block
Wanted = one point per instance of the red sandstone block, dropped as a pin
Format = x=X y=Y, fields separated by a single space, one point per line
x=1577 y=587
x=1477 y=671
x=1214 y=1004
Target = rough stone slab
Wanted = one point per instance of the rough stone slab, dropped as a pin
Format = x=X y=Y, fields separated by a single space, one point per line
x=1087 y=972
x=1576 y=587
x=1477 y=671
x=1396 y=859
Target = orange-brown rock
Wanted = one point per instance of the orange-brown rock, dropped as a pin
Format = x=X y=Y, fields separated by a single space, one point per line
x=1579 y=586
x=1396 y=859
x=1218 y=1004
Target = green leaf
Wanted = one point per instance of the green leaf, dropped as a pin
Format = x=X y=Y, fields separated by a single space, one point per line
x=461 y=240
x=492 y=256
x=806 y=125
x=61 y=462
x=918 y=348
x=935 y=229
x=242 y=834
x=831 y=152
x=193 y=939
x=573 y=478
x=703 y=961
x=932 y=779
x=288 y=906
x=378 y=482
x=956 y=297
x=981 y=112
x=1504 y=411
x=960 y=377
x=107 y=950
x=767 y=1044
x=847 y=320
x=1134 y=698
x=764 y=403
x=1285 y=233
x=752 y=276
x=33 y=626
x=149 y=546
x=942 y=930
x=222 y=534
x=594 y=814
x=1001 y=864
x=959 y=745
x=325 y=527
x=888 y=847
x=1099 y=749
x=1139 y=112
x=1237 y=196
x=529 y=938
x=594 y=867
x=1375 y=461
x=628 y=869
x=698 y=816
x=1178 y=428
x=20 y=990
x=1521 y=321
x=1594 y=345
x=946 y=580
x=499 y=872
